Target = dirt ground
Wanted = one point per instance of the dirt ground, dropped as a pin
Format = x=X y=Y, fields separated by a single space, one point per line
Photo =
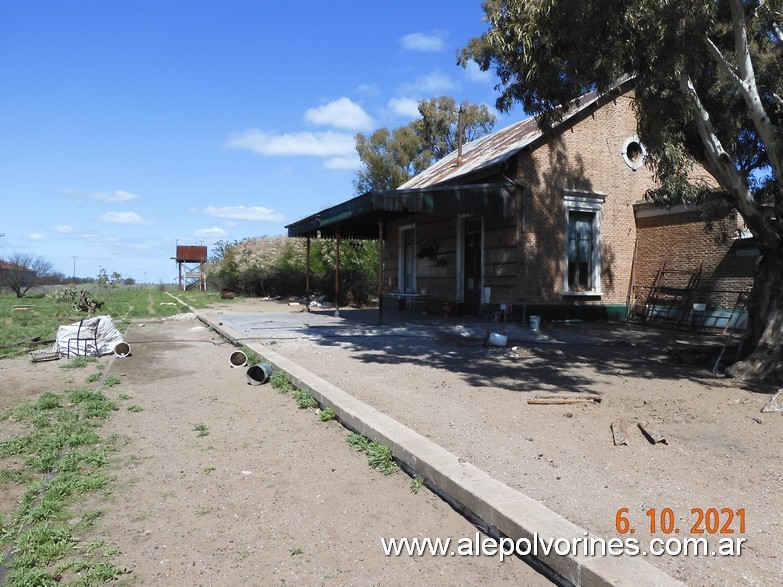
x=721 y=452
x=270 y=496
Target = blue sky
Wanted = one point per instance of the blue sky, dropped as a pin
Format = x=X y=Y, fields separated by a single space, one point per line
x=126 y=127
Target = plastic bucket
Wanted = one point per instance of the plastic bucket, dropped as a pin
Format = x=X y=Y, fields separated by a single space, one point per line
x=535 y=323
x=238 y=359
x=121 y=349
x=496 y=339
x=258 y=374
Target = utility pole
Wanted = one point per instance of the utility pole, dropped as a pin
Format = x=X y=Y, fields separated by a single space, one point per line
x=74 y=268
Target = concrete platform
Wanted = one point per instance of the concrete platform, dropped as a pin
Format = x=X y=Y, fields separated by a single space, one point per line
x=500 y=510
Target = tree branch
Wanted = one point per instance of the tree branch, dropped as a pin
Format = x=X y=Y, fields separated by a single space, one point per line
x=765 y=128
x=719 y=57
x=725 y=170
x=778 y=32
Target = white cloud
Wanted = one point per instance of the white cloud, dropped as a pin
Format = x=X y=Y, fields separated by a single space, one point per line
x=341 y=113
x=64 y=229
x=35 y=236
x=433 y=82
x=318 y=144
x=473 y=73
x=123 y=218
x=211 y=232
x=343 y=163
x=422 y=42
x=254 y=213
x=115 y=196
x=408 y=107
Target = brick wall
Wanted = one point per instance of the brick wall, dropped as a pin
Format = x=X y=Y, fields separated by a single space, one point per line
x=684 y=239
x=586 y=158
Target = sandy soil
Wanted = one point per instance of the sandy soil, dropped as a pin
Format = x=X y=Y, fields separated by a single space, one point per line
x=271 y=496
x=721 y=452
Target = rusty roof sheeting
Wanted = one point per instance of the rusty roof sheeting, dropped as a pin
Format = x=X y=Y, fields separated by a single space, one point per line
x=492 y=149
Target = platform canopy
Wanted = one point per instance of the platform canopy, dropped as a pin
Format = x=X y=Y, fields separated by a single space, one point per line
x=358 y=218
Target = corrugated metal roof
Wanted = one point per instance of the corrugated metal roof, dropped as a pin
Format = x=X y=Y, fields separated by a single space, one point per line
x=491 y=149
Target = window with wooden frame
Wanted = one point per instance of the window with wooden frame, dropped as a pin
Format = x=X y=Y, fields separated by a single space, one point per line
x=582 y=259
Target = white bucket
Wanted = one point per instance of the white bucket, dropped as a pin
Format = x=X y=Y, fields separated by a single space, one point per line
x=122 y=349
x=496 y=339
x=237 y=359
x=535 y=323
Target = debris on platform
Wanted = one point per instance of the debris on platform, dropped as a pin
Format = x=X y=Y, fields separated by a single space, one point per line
x=652 y=434
x=619 y=433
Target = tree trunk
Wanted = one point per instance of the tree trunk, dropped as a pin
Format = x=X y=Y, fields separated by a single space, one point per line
x=764 y=336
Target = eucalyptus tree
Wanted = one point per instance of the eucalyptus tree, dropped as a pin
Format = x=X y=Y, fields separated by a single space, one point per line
x=391 y=157
x=708 y=86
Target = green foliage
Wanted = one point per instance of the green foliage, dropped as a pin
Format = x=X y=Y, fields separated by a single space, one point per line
x=280 y=382
x=253 y=358
x=78 y=362
x=201 y=429
x=61 y=440
x=327 y=414
x=305 y=399
x=135 y=409
x=111 y=381
x=417 y=483
x=380 y=457
x=359 y=442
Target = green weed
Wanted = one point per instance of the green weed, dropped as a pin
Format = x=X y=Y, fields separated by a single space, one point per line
x=305 y=399
x=78 y=362
x=380 y=457
x=135 y=409
x=111 y=381
x=359 y=442
x=201 y=429
x=296 y=550
x=279 y=381
x=417 y=483
x=253 y=358
x=327 y=414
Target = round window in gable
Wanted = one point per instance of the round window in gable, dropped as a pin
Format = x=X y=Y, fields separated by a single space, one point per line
x=633 y=153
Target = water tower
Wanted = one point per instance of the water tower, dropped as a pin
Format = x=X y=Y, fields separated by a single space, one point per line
x=191 y=262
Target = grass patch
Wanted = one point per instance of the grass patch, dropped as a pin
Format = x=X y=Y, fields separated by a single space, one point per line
x=79 y=362
x=417 y=483
x=124 y=396
x=94 y=378
x=296 y=550
x=208 y=470
x=379 y=456
x=63 y=458
x=279 y=381
x=111 y=381
x=253 y=358
x=135 y=409
x=46 y=314
x=201 y=429
x=305 y=399
x=327 y=414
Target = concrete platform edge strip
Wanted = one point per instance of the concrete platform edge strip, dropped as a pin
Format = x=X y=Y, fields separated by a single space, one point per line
x=508 y=512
